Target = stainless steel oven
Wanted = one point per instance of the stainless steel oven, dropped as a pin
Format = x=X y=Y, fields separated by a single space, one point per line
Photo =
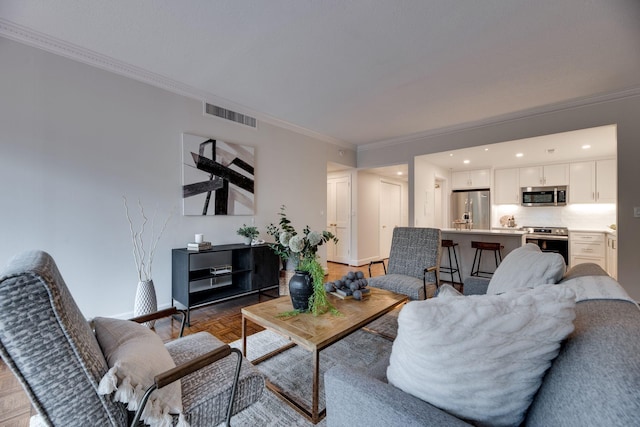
x=550 y=239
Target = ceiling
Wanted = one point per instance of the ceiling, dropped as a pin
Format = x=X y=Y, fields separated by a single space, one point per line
x=594 y=143
x=354 y=72
x=566 y=147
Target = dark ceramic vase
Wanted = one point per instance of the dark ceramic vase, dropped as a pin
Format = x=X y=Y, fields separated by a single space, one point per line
x=300 y=289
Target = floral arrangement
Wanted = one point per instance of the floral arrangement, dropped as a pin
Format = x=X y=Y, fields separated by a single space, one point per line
x=303 y=248
x=289 y=244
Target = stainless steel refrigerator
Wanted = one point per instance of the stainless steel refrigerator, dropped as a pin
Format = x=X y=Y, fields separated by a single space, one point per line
x=472 y=206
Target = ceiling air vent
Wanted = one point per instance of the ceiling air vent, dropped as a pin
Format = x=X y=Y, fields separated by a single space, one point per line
x=223 y=113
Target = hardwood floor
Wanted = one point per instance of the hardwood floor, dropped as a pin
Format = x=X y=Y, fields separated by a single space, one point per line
x=223 y=320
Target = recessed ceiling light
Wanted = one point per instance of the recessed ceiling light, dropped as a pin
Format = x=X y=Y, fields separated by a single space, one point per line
x=519 y=155
x=466 y=162
x=450 y=154
x=399 y=173
x=586 y=147
x=486 y=149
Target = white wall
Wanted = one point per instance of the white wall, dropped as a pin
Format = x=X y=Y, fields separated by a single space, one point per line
x=74 y=139
x=622 y=112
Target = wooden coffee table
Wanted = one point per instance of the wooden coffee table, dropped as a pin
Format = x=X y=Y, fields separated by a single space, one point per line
x=315 y=333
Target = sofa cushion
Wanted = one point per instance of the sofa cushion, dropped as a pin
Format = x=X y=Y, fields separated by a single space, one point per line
x=496 y=349
x=595 y=380
x=527 y=267
x=135 y=355
x=403 y=284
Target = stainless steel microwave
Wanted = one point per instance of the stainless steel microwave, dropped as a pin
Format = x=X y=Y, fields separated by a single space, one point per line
x=543 y=196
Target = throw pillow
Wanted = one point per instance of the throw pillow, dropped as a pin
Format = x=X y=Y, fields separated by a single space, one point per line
x=135 y=355
x=496 y=349
x=529 y=267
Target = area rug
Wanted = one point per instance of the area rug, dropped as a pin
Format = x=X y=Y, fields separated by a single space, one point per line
x=292 y=370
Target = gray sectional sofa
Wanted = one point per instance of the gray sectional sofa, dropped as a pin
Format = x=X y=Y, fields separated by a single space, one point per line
x=594 y=381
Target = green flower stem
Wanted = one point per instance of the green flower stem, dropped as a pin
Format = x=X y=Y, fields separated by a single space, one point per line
x=318 y=302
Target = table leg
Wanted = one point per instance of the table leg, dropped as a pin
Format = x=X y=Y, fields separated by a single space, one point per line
x=316 y=387
x=244 y=336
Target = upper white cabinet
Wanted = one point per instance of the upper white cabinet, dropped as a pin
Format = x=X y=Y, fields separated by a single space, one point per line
x=471 y=179
x=506 y=187
x=593 y=182
x=606 y=181
x=548 y=175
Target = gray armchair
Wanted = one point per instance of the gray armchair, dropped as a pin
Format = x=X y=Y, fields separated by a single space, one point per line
x=52 y=350
x=414 y=263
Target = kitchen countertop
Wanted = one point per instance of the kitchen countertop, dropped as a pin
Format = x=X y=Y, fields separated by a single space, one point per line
x=515 y=232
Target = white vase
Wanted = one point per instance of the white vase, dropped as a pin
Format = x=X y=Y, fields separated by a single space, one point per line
x=146 y=301
x=292 y=263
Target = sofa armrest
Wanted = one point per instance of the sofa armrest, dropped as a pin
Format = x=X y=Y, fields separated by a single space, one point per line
x=584 y=269
x=355 y=399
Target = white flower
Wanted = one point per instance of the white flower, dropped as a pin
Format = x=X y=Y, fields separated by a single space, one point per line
x=284 y=238
x=314 y=238
x=296 y=243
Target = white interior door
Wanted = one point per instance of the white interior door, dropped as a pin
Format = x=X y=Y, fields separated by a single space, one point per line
x=390 y=214
x=339 y=218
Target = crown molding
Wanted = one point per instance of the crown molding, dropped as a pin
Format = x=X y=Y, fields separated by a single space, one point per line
x=53 y=45
x=506 y=118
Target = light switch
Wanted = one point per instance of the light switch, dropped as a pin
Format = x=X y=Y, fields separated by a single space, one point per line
x=636 y=211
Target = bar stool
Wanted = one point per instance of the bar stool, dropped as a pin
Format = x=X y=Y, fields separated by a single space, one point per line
x=451 y=246
x=485 y=246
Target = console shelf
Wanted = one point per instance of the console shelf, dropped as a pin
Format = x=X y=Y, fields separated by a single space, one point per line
x=220 y=273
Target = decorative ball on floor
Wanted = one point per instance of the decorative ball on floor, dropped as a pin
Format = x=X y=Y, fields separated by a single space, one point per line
x=353 y=284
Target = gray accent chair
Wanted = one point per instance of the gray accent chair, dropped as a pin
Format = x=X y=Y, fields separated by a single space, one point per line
x=414 y=263
x=52 y=350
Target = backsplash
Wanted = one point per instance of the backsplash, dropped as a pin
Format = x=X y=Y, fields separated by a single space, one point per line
x=577 y=216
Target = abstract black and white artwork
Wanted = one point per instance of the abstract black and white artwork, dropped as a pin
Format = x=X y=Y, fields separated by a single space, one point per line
x=217 y=177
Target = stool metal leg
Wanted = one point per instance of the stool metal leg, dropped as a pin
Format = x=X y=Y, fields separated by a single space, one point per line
x=457 y=265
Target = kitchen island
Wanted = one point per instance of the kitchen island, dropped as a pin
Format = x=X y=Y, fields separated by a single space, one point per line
x=509 y=238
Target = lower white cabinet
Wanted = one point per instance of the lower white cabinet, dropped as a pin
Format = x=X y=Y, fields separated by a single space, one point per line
x=587 y=247
x=612 y=255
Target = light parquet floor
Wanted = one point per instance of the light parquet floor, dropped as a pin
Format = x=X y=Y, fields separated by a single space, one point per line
x=223 y=320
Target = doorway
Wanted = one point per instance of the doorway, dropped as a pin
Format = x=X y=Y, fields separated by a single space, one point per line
x=339 y=218
x=390 y=214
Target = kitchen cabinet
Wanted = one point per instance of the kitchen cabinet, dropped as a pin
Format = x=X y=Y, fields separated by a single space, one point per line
x=547 y=175
x=221 y=273
x=593 y=182
x=587 y=247
x=606 y=181
x=612 y=255
x=506 y=186
x=471 y=179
